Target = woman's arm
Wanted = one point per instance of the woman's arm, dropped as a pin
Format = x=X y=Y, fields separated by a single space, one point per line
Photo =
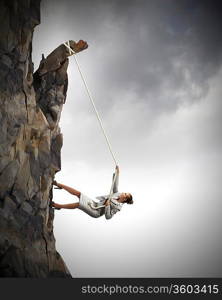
x=108 y=212
x=116 y=182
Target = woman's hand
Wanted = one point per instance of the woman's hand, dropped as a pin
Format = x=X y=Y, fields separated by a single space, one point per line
x=107 y=202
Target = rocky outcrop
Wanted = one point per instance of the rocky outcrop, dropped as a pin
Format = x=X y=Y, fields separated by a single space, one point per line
x=30 y=144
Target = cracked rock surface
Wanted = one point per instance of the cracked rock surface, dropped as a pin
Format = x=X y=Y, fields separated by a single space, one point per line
x=30 y=144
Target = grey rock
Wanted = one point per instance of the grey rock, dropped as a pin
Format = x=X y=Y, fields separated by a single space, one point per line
x=12 y=263
x=30 y=145
x=7 y=177
x=9 y=206
x=27 y=207
x=6 y=60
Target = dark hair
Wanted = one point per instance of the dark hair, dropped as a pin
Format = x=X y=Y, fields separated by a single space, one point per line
x=129 y=199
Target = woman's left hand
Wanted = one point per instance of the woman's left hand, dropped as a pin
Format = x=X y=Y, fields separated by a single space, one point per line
x=107 y=203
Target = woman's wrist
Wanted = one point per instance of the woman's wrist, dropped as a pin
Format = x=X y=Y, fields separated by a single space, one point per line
x=107 y=203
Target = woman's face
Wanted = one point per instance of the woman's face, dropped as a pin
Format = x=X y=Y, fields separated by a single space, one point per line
x=125 y=196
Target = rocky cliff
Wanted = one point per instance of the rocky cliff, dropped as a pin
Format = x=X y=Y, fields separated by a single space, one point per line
x=30 y=144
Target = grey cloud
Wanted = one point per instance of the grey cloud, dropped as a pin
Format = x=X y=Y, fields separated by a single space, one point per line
x=148 y=46
x=155 y=56
x=153 y=68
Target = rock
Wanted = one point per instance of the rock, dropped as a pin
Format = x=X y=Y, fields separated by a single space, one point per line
x=9 y=206
x=7 y=177
x=16 y=259
x=27 y=207
x=30 y=144
x=55 y=151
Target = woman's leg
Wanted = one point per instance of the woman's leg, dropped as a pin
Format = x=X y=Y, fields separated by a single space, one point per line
x=70 y=205
x=68 y=189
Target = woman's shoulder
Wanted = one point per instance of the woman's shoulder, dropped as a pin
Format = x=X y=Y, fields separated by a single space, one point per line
x=116 y=195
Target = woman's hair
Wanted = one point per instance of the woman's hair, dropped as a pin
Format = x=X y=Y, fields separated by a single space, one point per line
x=129 y=199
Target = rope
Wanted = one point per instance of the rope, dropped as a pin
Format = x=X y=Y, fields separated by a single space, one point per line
x=111 y=190
x=110 y=193
x=71 y=51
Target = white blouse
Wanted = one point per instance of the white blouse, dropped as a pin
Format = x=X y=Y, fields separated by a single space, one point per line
x=114 y=205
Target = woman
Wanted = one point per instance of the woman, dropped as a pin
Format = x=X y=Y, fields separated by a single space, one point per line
x=95 y=209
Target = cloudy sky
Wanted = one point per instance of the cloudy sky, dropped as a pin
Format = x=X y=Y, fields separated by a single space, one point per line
x=154 y=69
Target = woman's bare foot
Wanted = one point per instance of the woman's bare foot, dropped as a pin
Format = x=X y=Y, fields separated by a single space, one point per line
x=56 y=184
x=55 y=205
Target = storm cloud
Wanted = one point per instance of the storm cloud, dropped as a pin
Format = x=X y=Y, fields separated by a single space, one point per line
x=154 y=69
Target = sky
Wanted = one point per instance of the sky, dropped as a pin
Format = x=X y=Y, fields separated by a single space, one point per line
x=154 y=69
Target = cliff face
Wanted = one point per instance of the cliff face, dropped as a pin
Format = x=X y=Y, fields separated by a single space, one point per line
x=30 y=144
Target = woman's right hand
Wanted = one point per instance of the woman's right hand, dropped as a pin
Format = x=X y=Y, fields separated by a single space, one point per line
x=107 y=203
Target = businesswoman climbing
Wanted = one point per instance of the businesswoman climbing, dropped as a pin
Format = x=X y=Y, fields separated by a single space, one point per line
x=107 y=205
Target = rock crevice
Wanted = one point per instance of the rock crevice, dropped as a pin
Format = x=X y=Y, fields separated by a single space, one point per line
x=30 y=144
